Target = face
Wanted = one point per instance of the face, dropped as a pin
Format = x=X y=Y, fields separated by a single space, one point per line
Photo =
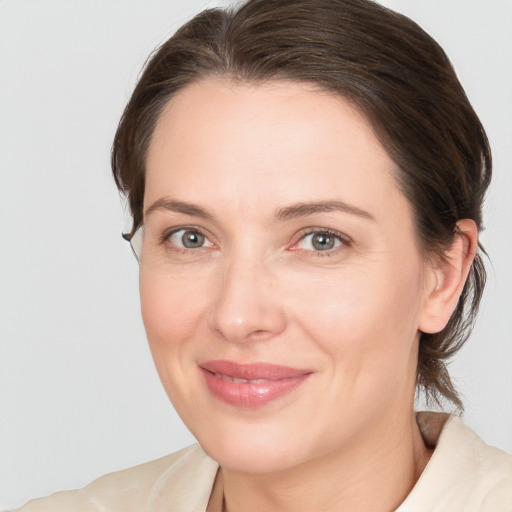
x=281 y=282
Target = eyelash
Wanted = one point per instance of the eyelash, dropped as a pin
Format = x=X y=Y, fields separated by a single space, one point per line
x=344 y=240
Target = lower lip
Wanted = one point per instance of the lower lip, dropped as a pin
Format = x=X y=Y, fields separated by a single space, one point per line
x=251 y=394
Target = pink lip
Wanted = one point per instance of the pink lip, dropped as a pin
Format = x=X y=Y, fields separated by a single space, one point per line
x=251 y=385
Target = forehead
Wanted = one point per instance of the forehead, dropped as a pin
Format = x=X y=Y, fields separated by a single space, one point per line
x=216 y=140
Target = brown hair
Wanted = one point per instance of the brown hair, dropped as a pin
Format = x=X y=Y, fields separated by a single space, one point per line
x=391 y=70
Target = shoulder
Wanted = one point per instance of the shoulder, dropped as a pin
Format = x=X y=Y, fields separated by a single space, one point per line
x=486 y=469
x=182 y=480
x=464 y=474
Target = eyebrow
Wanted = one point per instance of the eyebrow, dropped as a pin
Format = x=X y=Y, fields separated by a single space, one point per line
x=308 y=208
x=293 y=211
x=165 y=204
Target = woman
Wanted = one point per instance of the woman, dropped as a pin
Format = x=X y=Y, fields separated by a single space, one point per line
x=306 y=180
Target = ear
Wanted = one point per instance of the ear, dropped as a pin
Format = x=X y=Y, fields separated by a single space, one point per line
x=448 y=275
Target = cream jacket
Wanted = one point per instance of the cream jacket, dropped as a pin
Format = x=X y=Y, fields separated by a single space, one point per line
x=463 y=475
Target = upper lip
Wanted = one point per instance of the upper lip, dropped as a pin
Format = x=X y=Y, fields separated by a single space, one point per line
x=253 y=371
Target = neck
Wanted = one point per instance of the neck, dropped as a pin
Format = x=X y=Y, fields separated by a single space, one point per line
x=375 y=473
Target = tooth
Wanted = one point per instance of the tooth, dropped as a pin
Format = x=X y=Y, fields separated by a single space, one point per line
x=240 y=381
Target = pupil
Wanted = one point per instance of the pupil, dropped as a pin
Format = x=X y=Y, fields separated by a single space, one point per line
x=192 y=240
x=323 y=242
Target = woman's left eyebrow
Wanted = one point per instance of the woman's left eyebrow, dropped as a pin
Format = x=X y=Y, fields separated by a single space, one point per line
x=308 y=208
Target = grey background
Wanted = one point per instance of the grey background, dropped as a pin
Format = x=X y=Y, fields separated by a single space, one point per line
x=79 y=396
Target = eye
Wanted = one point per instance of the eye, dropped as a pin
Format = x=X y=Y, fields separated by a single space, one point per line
x=321 y=240
x=189 y=239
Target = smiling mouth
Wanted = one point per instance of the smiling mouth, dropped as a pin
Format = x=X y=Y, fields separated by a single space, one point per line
x=251 y=386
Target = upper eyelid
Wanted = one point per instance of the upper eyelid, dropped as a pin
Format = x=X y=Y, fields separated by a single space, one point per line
x=166 y=235
x=171 y=231
x=308 y=231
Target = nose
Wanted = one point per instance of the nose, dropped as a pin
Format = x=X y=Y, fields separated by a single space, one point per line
x=247 y=306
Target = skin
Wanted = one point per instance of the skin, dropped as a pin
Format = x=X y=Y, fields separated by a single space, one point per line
x=259 y=291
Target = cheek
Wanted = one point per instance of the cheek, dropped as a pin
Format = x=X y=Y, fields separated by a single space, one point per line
x=364 y=318
x=170 y=310
x=368 y=330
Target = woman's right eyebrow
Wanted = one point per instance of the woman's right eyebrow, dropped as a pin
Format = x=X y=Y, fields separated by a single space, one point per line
x=166 y=204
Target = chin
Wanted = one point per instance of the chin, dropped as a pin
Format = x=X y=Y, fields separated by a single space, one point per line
x=252 y=459
x=253 y=449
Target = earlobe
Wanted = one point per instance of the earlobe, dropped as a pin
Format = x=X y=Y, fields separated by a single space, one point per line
x=448 y=276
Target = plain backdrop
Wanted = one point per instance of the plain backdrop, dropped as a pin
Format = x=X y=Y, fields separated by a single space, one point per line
x=79 y=396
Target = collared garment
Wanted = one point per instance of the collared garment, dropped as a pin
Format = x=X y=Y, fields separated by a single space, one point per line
x=463 y=475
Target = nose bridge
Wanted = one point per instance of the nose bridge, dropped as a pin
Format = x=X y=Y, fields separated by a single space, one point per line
x=246 y=305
